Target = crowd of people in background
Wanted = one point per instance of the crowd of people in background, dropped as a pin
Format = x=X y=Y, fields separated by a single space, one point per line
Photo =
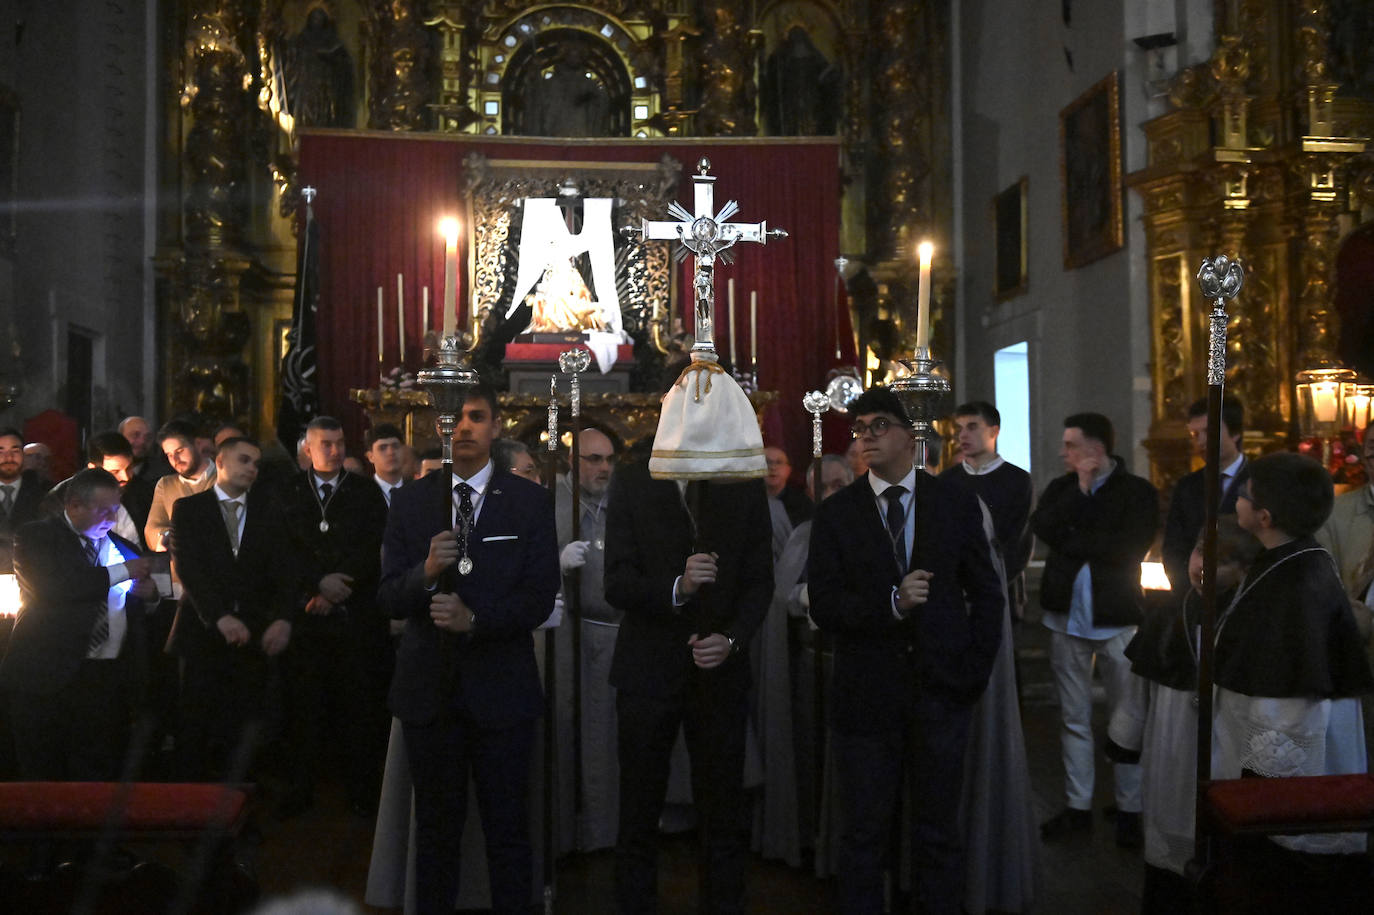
x=263 y=616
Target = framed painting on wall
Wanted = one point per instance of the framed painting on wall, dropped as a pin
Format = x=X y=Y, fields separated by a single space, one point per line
x=1090 y=173
x=1009 y=227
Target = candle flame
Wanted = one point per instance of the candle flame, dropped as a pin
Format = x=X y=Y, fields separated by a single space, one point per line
x=924 y=251
x=449 y=227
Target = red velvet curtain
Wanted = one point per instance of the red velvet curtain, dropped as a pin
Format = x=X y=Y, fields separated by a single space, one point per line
x=381 y=196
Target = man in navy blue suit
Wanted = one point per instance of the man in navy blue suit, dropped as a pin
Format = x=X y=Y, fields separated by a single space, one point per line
x=901 y=573
x=471 y=588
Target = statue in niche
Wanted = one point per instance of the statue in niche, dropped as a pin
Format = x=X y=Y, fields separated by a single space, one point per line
x=562 y=303
x=801 y=89
x=319 y=74
x=563 y=93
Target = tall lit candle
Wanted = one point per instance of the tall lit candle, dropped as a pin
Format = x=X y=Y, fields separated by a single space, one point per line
x=450 y=229
x=925 y=250
x=401 y=315
x=381 y=329
x=754 y=331
x=730 y=296
x=424 y=313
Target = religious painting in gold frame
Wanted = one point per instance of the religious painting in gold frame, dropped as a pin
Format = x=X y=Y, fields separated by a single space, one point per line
x=1009 y=228
x=1090 y=173
x=495 y=189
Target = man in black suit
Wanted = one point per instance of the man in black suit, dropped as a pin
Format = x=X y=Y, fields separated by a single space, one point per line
x=21 y=494
x=1187 y=506
x=72 y=668
x=342 y=647
x=471 y=586
x=901 y=572
x=693 y=591
x=235 y=613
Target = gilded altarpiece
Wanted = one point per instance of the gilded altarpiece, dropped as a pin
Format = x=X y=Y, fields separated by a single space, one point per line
x=1253 y=162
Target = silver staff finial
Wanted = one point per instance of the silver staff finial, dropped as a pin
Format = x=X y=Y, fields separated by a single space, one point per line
x=1220 y=279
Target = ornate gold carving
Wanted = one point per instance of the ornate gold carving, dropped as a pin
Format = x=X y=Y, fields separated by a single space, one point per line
x=399 y=91
x=629 y=417
x=728 y=88
x=1317 y=321
x=1171 y=337
x=901 y=118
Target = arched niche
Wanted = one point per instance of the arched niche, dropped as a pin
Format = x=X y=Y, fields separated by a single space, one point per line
x=566 y=83
x=550 y=36
x=801 y=73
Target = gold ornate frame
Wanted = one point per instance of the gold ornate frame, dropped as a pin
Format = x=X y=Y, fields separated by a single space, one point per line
x=1010 y=227
x=494 y=188
x=1090 y=173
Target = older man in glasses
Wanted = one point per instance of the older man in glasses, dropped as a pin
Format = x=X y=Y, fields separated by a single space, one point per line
x=902 y=573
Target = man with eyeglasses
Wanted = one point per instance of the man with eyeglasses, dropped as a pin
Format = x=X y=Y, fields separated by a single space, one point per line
x=901 y=572
x=1099 y=521
x=599 y=624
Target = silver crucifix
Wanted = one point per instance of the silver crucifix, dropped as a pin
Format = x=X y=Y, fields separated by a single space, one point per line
x=706 y=234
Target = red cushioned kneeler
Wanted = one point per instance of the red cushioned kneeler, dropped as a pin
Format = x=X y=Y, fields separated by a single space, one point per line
x=1291 y=806
x=140 y=809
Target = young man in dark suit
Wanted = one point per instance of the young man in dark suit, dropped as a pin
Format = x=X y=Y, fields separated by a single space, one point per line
x=471 y=586
x=74 y=662
x=1187 y=505
x=21 y=494
x=693 y=592
x=235 y=613
x=340 y=661
x=901 y=572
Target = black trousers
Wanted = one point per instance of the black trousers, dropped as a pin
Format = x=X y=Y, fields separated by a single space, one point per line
x=870 y=770
x=442 y=755
x=337 y=682
x=223 y=708
x=713 y=720
x=79 y=733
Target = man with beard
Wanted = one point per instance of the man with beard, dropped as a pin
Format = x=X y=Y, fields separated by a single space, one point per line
x=21 y=494
x=583 y=564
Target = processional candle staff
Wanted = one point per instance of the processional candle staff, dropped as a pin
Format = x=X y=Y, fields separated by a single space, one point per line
x=817 y=403
x=924 y=251
x=1220 y=279
x=448 y=384
x=550 y=670
x=574 y=362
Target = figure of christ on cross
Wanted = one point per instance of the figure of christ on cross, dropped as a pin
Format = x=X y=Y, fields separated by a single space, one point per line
x=705 y=234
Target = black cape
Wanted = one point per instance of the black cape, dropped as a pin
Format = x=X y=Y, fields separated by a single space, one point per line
x=1289 y=632
x=1163 y=647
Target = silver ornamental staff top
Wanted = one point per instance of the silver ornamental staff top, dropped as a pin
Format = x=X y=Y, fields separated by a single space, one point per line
x=816 y=403
x=1220 y=279
x=705 y=234
x=553 y=413
x=574 y=362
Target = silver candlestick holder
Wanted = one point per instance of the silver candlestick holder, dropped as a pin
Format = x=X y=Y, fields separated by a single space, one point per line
x=448 y=384
x=924 y=396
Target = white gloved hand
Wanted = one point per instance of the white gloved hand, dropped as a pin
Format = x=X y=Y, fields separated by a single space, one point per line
x=556 y=617
x=574 y=555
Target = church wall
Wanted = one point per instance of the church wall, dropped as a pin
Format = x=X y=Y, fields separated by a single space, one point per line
x=1088 y=328
x=80 y=258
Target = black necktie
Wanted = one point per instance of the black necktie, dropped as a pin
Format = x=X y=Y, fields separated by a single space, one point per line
x=896 y=524
x=464 y=492
x=325 y=490
x=101 y=631
x=7 y=499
